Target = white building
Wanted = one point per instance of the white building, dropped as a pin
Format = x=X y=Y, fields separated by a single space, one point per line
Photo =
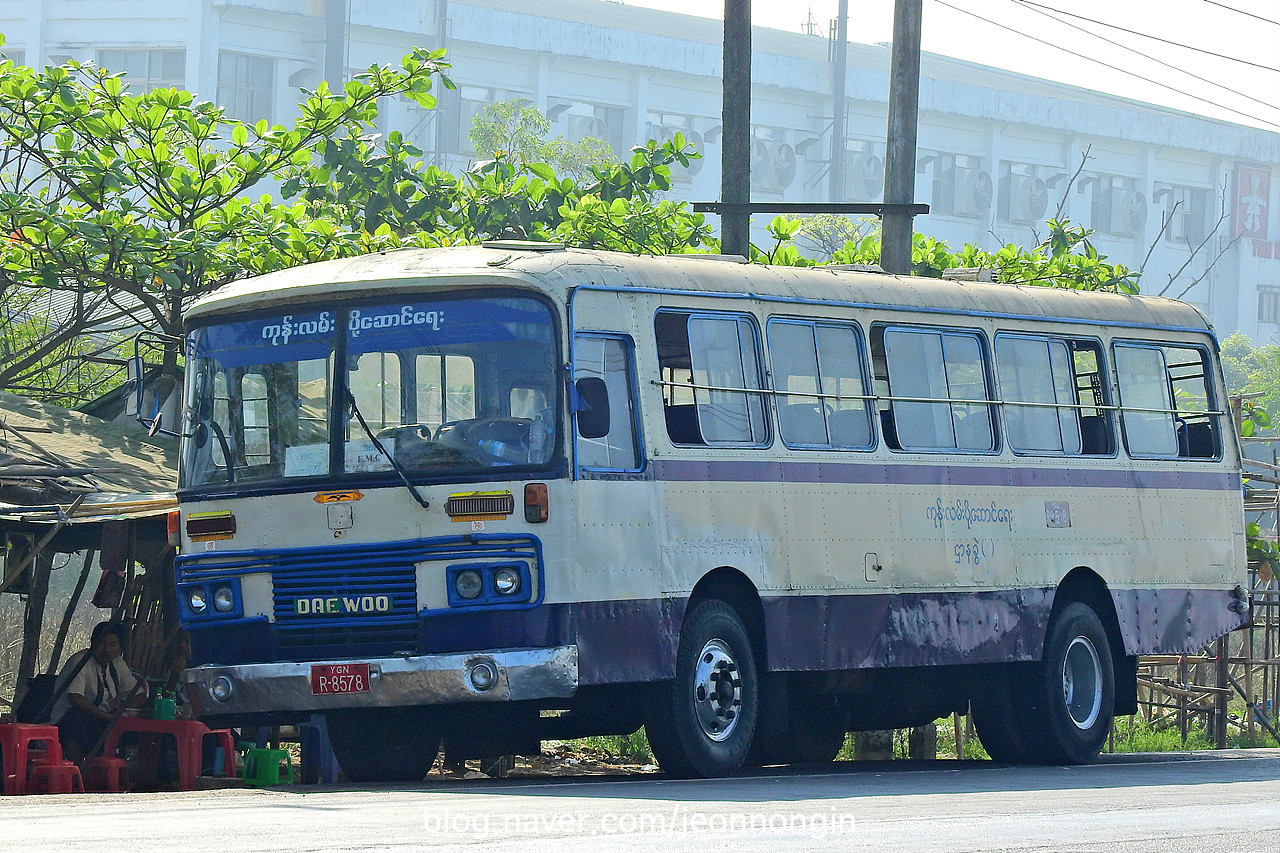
x=997 y=150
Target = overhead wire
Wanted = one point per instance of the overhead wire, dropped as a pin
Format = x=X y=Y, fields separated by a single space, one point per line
x=1243 y=12
x=1105 y=64
x=1176 y=44
x=1049 y=14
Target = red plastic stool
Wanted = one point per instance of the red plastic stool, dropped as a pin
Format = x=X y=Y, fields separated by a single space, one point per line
x=56 y=777
x=228 y=746
x=15 y=743
x=106 y=775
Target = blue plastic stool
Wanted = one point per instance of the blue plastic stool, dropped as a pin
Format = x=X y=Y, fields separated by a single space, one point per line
x=318 y=763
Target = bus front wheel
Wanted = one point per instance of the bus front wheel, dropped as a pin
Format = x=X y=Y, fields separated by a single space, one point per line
x=704 y=720
x=383 y=744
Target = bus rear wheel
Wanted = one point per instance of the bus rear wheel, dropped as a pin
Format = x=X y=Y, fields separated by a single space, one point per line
x=1058 y=710
x=704 y=720
x=383 y=744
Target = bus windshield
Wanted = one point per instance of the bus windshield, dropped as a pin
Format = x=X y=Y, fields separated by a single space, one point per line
x=448 y=387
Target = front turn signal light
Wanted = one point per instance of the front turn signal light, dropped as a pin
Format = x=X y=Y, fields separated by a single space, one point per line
x=536 y=506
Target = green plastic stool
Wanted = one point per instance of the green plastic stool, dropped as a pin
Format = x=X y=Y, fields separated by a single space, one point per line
x=262 y=767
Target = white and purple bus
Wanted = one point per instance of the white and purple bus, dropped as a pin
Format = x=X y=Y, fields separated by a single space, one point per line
x=510 y=492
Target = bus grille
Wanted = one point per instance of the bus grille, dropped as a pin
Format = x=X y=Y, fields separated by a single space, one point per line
x=380 y=580
x=384 y=594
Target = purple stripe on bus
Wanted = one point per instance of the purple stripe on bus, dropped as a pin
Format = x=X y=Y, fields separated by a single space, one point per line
x=635 y=640
x=747 y=471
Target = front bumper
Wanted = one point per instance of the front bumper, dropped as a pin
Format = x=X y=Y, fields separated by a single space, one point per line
x=393 y=682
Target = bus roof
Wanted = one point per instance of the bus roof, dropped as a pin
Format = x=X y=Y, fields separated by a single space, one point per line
x=558 y=271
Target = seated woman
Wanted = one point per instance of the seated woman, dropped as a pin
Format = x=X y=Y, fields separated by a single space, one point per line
x=96 y=692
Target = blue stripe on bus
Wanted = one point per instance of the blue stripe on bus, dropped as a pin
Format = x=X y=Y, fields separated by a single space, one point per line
x=749 y=471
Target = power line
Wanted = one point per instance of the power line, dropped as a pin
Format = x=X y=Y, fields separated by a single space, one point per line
x=1108 y=65
x=1147 y=56
x=1242 y=12
x=1153 y=38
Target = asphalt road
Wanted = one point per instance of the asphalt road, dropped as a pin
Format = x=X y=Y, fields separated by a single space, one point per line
x=1226 y=802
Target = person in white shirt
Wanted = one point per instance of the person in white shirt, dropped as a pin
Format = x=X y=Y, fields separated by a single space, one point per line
x=96 y=693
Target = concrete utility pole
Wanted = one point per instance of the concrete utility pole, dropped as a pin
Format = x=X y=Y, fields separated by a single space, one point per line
x=839 y=125
x=735 y=143
x=335 y=43
x=900 y=156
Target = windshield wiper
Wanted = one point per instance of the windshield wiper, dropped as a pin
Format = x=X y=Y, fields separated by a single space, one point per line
x=399 y=469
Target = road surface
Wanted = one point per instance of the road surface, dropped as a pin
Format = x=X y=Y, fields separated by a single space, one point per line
x=1226 y=802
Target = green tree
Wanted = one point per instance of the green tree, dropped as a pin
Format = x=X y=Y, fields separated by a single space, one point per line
x=1065 y=258
x=132 y=205
x=518 y=131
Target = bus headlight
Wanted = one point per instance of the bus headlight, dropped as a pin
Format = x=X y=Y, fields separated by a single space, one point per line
x=196 y=599
x=222 y=688
x=468 y=584
x=506 y=581
x=223 y=599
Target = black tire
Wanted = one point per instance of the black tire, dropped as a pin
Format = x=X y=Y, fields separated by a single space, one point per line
x=696 y=732
x=383 y=744
x=997 y=708
x=1055 y=711
x=1075 y=691
x=816 y=729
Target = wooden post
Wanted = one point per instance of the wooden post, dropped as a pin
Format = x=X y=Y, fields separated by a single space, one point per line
x=900 y=145
x=1221 y=697
x=56 y=655
x=33 y=619
x=1182 y=700
x=735 y=118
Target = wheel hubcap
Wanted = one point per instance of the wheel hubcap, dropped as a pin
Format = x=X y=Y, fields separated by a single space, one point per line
x=1082 y=683
x=717 y=690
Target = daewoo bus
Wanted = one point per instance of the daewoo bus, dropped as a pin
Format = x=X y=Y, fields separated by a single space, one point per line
x=510 y=492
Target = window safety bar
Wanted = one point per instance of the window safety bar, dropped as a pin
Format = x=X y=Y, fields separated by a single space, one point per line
x=889 y=398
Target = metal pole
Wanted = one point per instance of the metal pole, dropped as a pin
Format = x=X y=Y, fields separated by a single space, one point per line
x=735 y=168
x=900 y=154
x=839 y=124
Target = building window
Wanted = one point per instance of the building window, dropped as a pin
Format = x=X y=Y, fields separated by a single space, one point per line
x=1269 y=305
x=246 y=85
x=145 y=70
x=17 y=55
x=1185 y=212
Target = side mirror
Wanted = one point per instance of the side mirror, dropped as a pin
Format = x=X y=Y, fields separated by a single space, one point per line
x=136 y=370
x=593 y=407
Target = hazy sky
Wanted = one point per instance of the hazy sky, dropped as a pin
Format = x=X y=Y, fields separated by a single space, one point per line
x=1038 y=40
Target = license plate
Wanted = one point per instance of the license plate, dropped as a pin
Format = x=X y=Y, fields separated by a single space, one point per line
x=339 y=678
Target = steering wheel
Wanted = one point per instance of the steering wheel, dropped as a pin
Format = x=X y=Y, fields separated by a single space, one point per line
x=503 y=440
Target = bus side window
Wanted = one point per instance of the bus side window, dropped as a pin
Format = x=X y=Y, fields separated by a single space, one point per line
x=717 y=357
x=604 y=403
x=1146 y=400
x=937 y=380
x=1196 y=428
x=817 y=371
x=1052 y=395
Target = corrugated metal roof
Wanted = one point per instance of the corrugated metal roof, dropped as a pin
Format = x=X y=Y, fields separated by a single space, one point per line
x=37 y=437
